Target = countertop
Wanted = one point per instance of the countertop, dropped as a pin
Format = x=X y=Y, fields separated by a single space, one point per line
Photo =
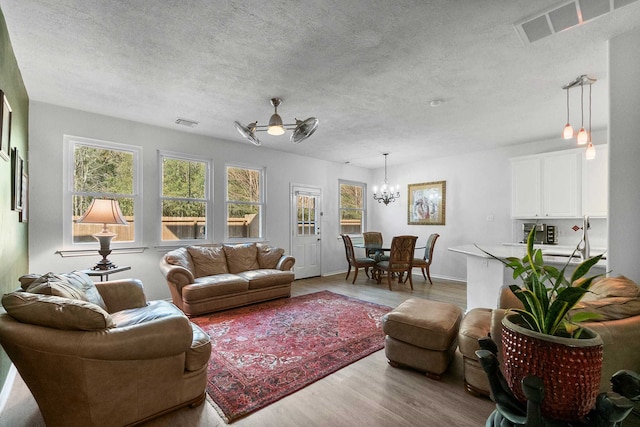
x=552 y=254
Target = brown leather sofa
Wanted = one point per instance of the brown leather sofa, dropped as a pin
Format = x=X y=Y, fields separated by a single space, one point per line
x=207 y=278
x=616 y=299
x=100 y=354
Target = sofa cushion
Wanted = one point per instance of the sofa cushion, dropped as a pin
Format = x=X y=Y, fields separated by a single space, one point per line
x=242 y=257
x=56 y=312
x=611 y=298
x=158 y=309
x=208 y=260
x=266 y=278
x=180 y=257
x=53 y=284
x=83 y=282
x=214 y=286
x=268 y=256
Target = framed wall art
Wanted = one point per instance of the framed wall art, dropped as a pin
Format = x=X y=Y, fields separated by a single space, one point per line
x=5 y=126
x=426 y=203
x=17 y=167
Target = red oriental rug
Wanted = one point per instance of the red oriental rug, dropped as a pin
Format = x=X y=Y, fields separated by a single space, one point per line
x=266 y=351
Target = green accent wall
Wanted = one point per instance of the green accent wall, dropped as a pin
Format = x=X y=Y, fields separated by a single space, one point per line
x=14 y=260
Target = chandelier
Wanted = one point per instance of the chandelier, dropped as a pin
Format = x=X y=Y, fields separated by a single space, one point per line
x=583 y=137
x=386 y=195
x=302 y=129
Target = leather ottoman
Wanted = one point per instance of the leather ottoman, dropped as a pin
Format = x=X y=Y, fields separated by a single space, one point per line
x=422 y=334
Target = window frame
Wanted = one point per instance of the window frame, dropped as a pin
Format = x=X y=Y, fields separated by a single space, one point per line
x=162 y=154
x=363 y=185
x=69 y=144
x=262 y=204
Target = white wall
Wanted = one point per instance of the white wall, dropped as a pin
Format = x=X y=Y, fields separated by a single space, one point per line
x=48 y=124
x=478 y=186
x=624 y=155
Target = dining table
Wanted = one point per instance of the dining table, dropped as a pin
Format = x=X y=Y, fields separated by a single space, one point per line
x=384 y=248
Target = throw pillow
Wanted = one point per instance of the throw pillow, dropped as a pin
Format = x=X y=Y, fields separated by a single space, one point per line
x=611 y=298
x=180 y=257
x=242 y=257
x=606 y=287
x=268 y=256
x=56 y=312
x=27 y=280
x=208 y=260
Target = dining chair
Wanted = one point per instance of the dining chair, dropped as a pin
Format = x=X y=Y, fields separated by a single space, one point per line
x=354 y=262
x=374 y=238
x=400 y=259
x=424 y=262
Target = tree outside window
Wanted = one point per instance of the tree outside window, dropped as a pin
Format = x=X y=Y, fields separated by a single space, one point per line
x=245 y=204
x=104 y=173
x=184 y=198
x=352 y=209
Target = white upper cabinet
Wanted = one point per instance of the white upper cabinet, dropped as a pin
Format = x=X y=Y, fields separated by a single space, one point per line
x=526 y=187
x=547 y=185
x=595 y=183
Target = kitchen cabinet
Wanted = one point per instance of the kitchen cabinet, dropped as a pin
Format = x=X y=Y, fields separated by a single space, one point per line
x=595 y=183
x=547 y=185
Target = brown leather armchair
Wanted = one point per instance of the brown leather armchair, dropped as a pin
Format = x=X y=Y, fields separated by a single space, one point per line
x=114 y=366
x=616 y=299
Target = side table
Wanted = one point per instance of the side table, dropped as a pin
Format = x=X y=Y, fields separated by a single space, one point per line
x=104 y=274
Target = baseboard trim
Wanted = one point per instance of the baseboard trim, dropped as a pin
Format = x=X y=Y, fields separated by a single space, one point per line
x=7 y=387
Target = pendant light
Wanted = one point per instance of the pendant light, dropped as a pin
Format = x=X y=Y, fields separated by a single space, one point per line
x=567 y=132
x=583 y=137
x=582 y=134
x=386 y=195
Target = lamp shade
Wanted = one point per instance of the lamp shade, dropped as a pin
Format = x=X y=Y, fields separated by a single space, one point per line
x=103 y=211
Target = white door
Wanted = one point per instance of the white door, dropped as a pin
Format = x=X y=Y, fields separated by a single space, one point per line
x=305 y=220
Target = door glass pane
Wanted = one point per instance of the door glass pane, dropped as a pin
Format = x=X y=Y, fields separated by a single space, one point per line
x=306 y=214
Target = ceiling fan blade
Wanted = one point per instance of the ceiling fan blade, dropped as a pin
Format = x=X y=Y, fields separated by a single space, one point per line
x=248 y=132
x=304 y=129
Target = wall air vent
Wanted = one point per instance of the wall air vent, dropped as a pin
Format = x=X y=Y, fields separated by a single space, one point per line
x=186 y=122
x=564 y=16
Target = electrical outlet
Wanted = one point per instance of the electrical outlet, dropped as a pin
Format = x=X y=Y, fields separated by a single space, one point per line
x=490 y=218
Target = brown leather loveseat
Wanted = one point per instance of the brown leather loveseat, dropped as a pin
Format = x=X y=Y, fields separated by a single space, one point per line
x=208 y=278
x=100 y=354
x=616 y=299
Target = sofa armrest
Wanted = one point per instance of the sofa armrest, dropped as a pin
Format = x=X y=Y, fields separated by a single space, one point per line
x=122 y=294
x=177 y=275
x=286 y=263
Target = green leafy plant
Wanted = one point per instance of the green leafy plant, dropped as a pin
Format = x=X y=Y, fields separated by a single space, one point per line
x=547 y=295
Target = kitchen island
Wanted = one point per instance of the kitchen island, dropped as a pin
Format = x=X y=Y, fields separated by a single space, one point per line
x=486 y=275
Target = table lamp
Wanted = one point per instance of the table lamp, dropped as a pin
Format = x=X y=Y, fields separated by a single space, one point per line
x=103 y=211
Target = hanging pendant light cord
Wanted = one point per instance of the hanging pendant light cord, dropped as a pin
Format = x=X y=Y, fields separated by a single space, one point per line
x=568 y=105
x=582 y=103
x=590 y=113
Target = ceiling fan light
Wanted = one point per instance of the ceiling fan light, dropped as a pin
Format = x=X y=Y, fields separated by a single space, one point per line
x=567 y=132
x=582 y=137
x=275 y=125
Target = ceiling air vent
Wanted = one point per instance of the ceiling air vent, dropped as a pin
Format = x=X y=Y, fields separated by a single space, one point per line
x=564 y=16
x=186 y=122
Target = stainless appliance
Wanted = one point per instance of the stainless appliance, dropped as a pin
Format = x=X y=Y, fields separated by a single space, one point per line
x=545 y=234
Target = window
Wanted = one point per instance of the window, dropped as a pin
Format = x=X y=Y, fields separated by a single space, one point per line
x=245 y=203
x=352 y=207
x=99 y=169
x=184 y=198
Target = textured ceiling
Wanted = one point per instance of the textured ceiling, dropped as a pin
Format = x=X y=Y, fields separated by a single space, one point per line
x=367 y=69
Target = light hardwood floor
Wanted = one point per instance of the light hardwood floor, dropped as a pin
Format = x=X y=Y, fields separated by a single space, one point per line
x=366 y=393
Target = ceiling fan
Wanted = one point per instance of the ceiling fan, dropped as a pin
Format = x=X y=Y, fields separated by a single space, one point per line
x=302 y=129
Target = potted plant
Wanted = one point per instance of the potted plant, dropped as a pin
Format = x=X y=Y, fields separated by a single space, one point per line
x=543 y=340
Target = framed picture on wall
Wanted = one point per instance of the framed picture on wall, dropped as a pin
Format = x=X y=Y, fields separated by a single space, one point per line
x=426 y=203
x=17 y=167
x=5 y=126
